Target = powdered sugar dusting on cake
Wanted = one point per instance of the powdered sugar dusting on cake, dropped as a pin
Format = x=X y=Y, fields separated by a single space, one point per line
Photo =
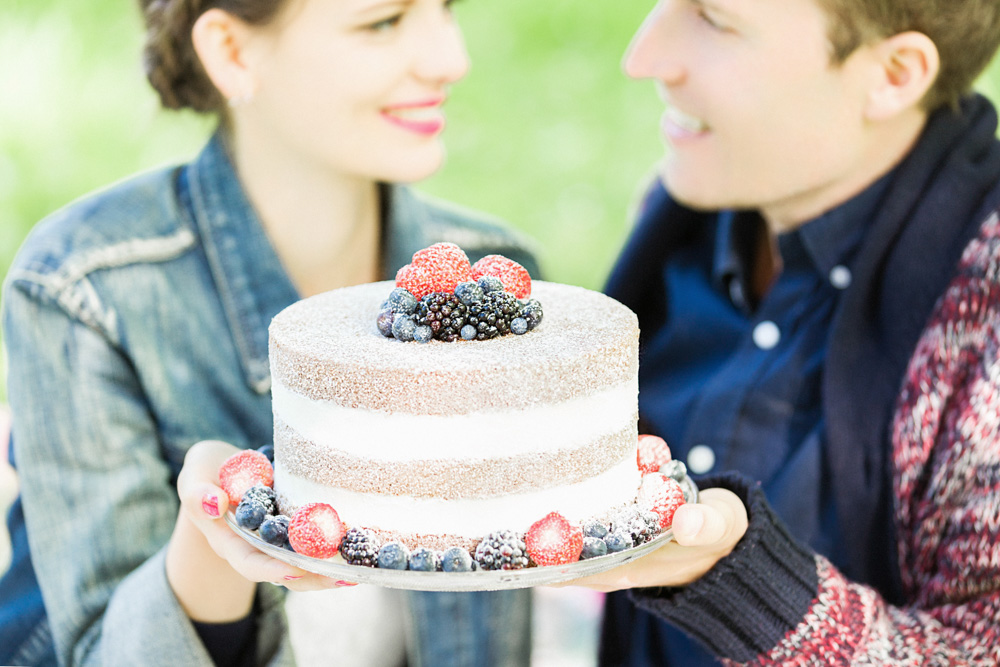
x=327 y=347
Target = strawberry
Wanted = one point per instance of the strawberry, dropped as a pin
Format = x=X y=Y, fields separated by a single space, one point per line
x=514 y=277
x=444 y=255
x=552 y=540
x=437 y=268
x=243 y=470
x=653 y=453
x=316 y=530
x=662 y=496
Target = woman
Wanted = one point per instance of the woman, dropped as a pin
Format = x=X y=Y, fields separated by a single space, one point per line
x=136 y=324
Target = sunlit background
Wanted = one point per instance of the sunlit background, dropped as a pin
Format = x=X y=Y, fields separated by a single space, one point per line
x=545 y=132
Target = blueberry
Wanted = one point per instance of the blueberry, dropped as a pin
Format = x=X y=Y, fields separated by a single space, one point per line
x=456 y=559
x=595 y=529
x=250 y=514
x=423 y=334
x=402 y=301
x=519 y=325
x=469 y=293
x=618 y=541
x=274 y=530
x=593 y=547
x=532 y=313
x=393 y=556
x=384 y=322
x=268 y=451
x=490 y=284
x=468 y=332
x=403 y=327
x=424 y=560
x=674 y=469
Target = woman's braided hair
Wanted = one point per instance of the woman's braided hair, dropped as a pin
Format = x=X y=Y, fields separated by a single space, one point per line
x=169 y=58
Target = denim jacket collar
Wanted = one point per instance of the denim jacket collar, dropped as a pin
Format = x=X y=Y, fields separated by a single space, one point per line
x=253 y=285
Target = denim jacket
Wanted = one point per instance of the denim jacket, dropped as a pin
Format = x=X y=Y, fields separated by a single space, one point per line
x=136 y=324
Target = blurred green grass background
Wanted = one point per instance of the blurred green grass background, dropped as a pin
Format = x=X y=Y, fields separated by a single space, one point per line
x=545 y=132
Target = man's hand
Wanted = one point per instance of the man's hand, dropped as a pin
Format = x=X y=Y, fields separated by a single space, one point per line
x=704 y=533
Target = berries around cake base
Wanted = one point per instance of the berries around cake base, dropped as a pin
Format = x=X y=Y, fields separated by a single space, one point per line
x=315 y=530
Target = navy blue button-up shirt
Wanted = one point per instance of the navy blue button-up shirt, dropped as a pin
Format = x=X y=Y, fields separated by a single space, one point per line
x=743 y=378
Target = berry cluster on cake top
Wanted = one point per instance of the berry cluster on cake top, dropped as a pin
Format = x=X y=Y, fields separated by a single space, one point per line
x=316 y=530
x=440 y=295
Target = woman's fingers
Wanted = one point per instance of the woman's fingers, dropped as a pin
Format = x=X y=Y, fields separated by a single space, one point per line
x=203 y=501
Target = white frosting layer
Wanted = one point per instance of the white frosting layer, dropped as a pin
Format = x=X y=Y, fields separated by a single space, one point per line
x=390 y=437
x=469 y=517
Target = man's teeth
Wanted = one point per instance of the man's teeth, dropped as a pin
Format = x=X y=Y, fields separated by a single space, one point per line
x=683 y=120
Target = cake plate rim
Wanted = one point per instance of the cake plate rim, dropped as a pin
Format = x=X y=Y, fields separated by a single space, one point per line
x=480 y=580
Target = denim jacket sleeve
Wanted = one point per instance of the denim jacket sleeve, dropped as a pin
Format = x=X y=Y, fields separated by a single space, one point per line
x=97 y=490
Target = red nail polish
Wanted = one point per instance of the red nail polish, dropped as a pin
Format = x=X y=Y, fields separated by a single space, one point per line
x=210 y=504
x=291 y=578
x=346 y=583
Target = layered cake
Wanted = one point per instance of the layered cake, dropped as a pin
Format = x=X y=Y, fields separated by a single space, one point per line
x=439 y=443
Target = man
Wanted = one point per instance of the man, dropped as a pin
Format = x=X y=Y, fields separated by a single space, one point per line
x=815 y=275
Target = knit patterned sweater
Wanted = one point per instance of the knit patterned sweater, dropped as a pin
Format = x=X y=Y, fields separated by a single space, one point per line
x=773 y=602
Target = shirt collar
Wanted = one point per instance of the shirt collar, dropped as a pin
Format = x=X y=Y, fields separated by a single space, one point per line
x=252 y=284
x=828 y=240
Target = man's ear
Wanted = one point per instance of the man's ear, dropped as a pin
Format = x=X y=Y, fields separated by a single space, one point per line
x=220 y=40
x=908 y=65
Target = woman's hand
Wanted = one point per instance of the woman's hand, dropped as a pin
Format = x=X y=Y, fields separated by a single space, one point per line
x=704 y=533
x=211 y=569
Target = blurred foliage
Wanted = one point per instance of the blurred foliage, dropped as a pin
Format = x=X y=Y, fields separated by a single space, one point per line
x=545 y=132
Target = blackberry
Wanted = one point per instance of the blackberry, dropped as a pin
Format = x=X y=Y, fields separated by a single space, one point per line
x=492 y=316
x=634 y=523
x=444 y=313
x=360 y=547
x=502 y=550
x=264 y=495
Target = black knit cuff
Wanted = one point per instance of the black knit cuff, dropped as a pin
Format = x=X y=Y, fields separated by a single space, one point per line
x=754 y=596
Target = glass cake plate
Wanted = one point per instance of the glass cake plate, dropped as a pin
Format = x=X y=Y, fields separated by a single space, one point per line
x=480 y=580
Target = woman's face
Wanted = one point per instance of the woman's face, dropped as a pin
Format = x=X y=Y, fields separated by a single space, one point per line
x=356 y=86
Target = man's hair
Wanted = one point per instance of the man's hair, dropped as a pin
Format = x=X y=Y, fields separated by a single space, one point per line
x=966 y=33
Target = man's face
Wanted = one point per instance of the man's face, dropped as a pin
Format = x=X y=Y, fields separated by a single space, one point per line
x=757 y=116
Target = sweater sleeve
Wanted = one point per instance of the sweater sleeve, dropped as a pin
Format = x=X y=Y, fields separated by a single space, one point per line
x=945 y=443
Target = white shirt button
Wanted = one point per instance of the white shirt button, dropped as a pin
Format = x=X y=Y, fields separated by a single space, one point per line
x=840 y=277
x=766 y=335
x=700 y=459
